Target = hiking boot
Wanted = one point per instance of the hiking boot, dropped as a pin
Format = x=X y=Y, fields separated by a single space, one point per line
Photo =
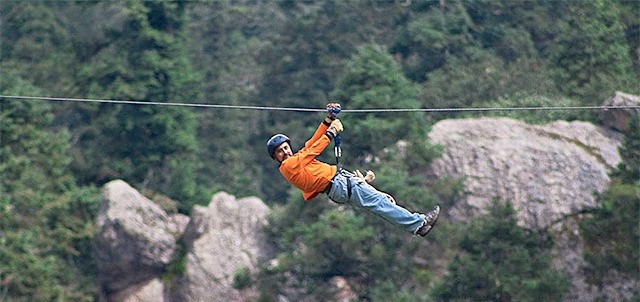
x=429 y=221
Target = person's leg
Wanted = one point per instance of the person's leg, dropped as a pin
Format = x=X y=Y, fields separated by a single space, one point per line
x=374 y=201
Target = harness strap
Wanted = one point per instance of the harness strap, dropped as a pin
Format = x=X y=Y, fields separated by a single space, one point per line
x=348 y=186
x=338 y=151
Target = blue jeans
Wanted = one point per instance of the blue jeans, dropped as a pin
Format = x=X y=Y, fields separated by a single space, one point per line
x=372 y=200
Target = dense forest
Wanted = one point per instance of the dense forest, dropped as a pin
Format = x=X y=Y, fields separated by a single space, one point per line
x=55 y=156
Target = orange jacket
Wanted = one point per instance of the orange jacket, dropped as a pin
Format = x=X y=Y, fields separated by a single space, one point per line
x=304 y=171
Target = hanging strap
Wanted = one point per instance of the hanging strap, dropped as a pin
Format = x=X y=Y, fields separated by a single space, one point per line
x=338 y=151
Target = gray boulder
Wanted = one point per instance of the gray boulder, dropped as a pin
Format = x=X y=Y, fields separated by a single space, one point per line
x=150 y=291
x=138 y=246
x=547 y=171
x=222 y=239
x=135 y=240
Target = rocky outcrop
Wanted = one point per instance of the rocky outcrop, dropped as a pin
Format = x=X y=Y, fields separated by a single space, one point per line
x=221 y=239
x=152 y=290
x=547 y=171
x=136 y=239
x=138 y=246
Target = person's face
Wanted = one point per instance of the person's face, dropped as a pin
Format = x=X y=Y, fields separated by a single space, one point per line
x=283 y=152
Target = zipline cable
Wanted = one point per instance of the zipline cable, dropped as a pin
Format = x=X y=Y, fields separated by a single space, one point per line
x=297 y=109
x=150 y=103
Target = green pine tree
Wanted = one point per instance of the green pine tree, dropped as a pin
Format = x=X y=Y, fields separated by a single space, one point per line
x=629 y=169
x=501 y=261
x=153 y=147
x=591 y=54
x=36 y=44
x=46 y=220
x=375 y=81
x=612 y=233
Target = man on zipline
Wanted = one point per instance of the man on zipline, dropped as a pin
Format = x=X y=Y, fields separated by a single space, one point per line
x=314 y=177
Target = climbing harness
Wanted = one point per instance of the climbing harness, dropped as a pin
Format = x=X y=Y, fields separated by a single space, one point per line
x=338 y=151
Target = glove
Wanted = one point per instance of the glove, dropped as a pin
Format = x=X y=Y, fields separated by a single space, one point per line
x=335 y=128
x=368 y=178
x=333 y=110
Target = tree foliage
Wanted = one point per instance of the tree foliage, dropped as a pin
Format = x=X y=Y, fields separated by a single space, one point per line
x=375 y=81
x=612 y=233
x=629 y=169
x=45 y=219
x=591 y=56
x=501 y=261
x=149 y=146
x=31 y=29
x=320 y=242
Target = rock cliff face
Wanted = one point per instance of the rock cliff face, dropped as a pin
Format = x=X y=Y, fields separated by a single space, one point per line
x=548 y=171
x=221 y=239
x=136 y=239
x=138 y=247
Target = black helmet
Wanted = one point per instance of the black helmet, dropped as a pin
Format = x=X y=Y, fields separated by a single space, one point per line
x=276 y=141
